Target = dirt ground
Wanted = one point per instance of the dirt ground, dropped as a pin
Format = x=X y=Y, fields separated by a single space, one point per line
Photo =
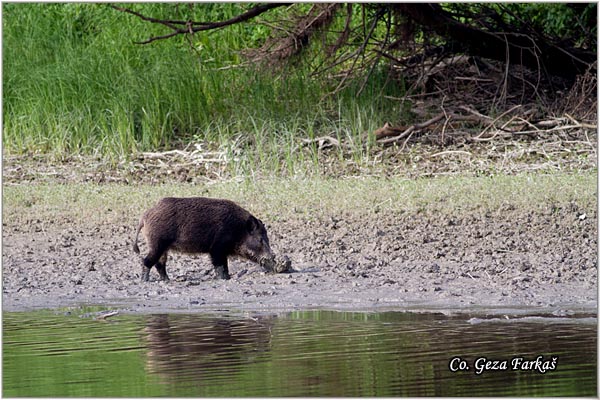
x=500 y=261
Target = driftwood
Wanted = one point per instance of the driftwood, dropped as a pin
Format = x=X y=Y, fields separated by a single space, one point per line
x=389 y=135
x=106 y=314
x=323 y=142
x=492 y=127
x=194 y=157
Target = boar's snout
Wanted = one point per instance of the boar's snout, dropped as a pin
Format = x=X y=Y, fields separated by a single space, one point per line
x=256 y=244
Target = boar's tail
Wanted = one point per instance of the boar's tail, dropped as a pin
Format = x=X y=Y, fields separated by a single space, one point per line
x=137 y=234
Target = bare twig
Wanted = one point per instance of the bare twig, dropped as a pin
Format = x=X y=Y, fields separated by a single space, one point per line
x=443 y=153
x=475 y=112
x=345 y=32
x=103 y=316
x=478 y=137
x=359 y=52
x=190 y=27
x=406 y=142
x=412 y=128
x=323 y=142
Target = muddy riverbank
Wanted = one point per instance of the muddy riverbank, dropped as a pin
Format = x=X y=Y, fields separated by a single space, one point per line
x=537 y=258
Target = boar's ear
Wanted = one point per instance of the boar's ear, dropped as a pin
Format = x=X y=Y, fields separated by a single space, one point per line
x=252 y=224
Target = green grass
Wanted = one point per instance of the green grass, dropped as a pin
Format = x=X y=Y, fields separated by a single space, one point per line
x=74 y=82
x=280 y=199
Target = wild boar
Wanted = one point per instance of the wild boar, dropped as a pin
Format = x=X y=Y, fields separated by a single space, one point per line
x=218 y=227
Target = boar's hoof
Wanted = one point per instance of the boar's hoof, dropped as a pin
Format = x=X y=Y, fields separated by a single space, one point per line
x=145 y=274
x=222 y=273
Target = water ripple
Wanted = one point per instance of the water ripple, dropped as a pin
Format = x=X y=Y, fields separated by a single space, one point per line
x=300 y=354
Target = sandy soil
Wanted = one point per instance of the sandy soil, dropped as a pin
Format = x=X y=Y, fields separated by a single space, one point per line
x=496 y=261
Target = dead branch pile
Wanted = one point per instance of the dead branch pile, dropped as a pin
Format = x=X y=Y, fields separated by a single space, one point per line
x=294 y=36
x=509 y=124
x=581 y=100
x=464 y=99
x=196 y=157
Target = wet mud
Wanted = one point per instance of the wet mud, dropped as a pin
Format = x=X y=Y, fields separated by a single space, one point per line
x=495 y=260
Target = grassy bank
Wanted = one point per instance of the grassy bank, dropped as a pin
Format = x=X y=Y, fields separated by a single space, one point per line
x=75 y=82
x=280 y=199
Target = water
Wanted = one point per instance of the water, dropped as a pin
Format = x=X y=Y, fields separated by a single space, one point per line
x=313 y=353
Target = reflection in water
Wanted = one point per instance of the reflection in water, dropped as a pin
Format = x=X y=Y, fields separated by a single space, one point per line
x=315 y=353
x=395 y=354
x=184 y=347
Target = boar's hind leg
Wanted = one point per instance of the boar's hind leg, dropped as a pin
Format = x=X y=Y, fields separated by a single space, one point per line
x=220 y=264
x=147 y=264
x=161 y=267
x=154 y=256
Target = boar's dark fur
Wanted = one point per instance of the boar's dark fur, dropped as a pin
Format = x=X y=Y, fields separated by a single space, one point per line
x=218 y=227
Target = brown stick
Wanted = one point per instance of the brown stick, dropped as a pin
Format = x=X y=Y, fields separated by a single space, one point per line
x=496 y=120
x=192 y=27
x=412 y=128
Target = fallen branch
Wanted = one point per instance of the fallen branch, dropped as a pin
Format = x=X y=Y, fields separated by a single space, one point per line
x=556 y=128
x=496 y=120
x=164 y=154
x=323 y=141
x=185 y=27
x=194 y=157
x=106 y=314
x=475 y=112
x=443 y=153
x=409 y=130
x=388 y=134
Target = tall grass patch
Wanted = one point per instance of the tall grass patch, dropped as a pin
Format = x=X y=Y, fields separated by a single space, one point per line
x=75 y=82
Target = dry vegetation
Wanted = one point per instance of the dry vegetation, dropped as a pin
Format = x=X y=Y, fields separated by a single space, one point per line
x=475 y=121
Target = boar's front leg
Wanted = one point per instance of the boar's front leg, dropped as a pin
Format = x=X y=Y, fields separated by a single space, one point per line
x=222 y=272
x=220 y=263
x=145 y=273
